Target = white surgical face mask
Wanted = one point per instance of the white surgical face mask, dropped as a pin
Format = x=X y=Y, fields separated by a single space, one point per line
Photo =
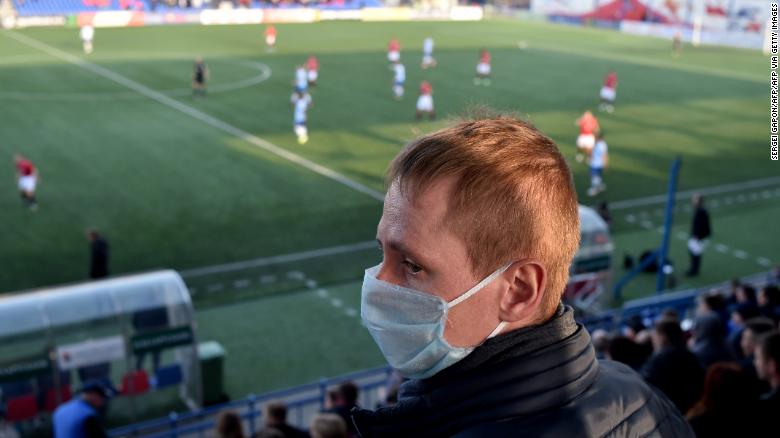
x=408 y=325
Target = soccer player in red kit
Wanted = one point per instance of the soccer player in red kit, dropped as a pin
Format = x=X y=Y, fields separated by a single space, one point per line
x=425 y=101
x=27 y=180
x=394 y=51
x=312 y=68
x=270 y=37
x=483 y=69
x=589 y=126
x=608 y=93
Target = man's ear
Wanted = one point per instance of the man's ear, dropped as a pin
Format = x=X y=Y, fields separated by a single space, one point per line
x=524 y=296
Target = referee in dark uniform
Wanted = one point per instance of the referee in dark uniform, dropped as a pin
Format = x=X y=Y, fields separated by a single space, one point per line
x=199 y=75
x=700 y=231
x=98 y=250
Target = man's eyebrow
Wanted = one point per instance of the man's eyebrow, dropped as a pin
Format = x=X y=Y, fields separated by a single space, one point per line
x=400 y=247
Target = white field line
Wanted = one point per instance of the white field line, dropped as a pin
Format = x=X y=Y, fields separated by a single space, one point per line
x=652 y=63
x=275 y=260
x=194 y=113
x=712 y=190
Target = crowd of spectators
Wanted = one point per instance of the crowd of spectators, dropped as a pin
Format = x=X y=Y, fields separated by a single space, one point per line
x=720 y=368
x=332 y=422
x=723 y=372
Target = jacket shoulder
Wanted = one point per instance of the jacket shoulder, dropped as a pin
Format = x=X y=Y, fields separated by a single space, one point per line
x=618 y=404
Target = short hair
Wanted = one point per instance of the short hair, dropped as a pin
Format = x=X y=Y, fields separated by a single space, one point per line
x=624 y=350
x=328 y=426
x=759 y=325
x=276 y=410
x=713 y=300
x=669 y=314
x=749 y=291
x=269 y=432
x=513 y=195
x=772 y=294
x=229 y=425
x=671 y=331
x=348 y=392
x=746 y=311
x=726 y=386
x=769 y=343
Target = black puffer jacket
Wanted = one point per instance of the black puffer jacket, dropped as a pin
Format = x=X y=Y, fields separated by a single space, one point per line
x=541 y=381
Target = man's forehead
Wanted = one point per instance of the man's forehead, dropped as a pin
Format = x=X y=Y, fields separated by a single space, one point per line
x=424 y=205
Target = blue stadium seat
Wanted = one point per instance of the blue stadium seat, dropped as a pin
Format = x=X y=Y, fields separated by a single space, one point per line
x=167 y=375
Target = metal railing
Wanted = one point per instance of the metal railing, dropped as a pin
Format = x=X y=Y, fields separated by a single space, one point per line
x=649 y=308
x=303 y=402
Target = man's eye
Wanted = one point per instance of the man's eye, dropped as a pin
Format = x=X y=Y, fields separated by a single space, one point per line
x=412 y=267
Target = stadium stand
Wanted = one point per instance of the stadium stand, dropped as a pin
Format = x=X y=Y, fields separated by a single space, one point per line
x=305 y=401
x=28 y=8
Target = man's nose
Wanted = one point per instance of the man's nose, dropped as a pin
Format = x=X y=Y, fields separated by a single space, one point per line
x=388 y=275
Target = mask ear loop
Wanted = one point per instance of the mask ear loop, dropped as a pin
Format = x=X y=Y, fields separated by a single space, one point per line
x=497 y=330
x=469 y=293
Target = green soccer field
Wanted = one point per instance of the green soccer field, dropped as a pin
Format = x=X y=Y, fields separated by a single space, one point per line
x=175 y=182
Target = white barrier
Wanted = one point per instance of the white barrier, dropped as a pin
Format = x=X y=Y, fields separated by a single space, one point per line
x=224 y=16
x=745 y=40
x=210 y=17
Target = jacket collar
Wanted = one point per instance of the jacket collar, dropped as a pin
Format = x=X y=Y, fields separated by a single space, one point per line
x=519 y=373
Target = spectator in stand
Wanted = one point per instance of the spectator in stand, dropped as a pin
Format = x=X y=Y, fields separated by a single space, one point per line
x=478 y=231
x=332 y=399
x=713 y=302
x=673 y=368
x=767 y=362
x=754 y=329
x=229 y=425
x=346 y=400
x=742 y=313
x=637 y=331
x=7 y=430
x=634 y=326
x=624 y=350
x=769 y=302
x=731 y=294
x=269 y=433
x=773 y=279
x=80 y=417
x=275 y=418
x=601 y=342
x=394 y=383
x=746 y=294
x=669 y=314
x=709 y=340
x=727 y=407
x=328 y=426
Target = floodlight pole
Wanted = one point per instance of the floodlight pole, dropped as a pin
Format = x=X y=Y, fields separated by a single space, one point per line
x=659 y=255
x=668 y=218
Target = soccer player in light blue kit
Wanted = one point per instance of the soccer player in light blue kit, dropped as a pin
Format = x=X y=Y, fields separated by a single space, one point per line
x=301 y=80
x=399 y=77
x=301 y=102
x=599 y=160
x=428 y=60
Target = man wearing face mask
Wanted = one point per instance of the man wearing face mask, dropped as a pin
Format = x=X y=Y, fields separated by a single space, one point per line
x=479 y=227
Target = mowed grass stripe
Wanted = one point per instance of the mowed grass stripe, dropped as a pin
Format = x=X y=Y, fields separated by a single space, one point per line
x=196 y=114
